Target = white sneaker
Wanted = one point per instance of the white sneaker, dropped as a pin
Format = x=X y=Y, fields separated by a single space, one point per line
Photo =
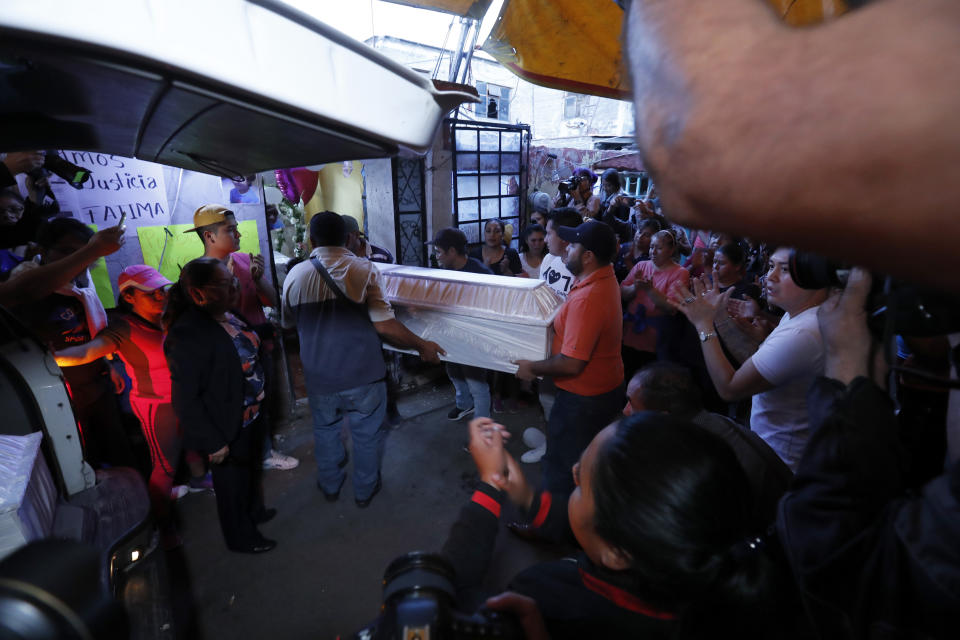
x=178 y=491
x=277 y=460
x=534 y=438
x=533 y=456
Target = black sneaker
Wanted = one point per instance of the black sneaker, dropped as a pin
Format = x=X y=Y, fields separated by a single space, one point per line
x=332 y=497
x=455 y=413
x=363 y=504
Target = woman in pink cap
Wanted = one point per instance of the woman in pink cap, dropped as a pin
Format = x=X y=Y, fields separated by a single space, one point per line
x=135 y=333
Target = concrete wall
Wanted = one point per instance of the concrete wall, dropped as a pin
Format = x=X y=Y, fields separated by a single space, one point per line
x=439 y=187
x=378 y=190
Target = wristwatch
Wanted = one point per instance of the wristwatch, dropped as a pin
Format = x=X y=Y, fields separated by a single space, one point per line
x=704 y=336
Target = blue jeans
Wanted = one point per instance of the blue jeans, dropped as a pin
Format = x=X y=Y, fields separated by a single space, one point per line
x=472 y=388
x=366 y=407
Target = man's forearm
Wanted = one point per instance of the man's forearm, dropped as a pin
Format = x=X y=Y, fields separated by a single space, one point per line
x=720 y=370
x=266 y=293
x=710 y=76
x=397 y=334
x=43 y=280
x=558 y=366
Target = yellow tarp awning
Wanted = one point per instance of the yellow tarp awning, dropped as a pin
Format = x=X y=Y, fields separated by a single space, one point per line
x=575 y=46
x=473 y=8
x=562 y=44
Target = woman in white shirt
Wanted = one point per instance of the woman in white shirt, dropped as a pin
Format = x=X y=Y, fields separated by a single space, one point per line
x=780 y=372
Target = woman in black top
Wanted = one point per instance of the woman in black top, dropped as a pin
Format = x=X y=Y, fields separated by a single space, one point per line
x=502 y=260
x=218 y=388
x=662 y=511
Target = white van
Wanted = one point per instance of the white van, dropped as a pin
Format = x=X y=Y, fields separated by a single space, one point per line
x=231 y=88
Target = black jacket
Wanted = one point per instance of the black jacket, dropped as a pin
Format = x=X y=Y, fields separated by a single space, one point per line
x=207 y=379
x=872 y=560
x=576 y=600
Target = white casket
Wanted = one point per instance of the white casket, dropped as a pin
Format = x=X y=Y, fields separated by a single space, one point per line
x=480 y=320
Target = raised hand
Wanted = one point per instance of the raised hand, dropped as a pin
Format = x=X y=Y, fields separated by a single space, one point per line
x=486 y=447
x=256 y=267
x=747 y=309
x=843 y=325
x=23 y=161
x=700 y=305
x=107 y=241
x=515 y=484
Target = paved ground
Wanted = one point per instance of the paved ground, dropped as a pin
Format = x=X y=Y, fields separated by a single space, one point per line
x=323 y=579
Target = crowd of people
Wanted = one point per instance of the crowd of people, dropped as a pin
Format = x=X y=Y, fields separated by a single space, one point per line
x=677 y=393
x=141 y=399
x=720 y=442
x=860 y=541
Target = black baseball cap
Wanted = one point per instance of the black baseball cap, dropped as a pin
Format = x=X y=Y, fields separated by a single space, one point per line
x=595 y=236
x=450 y=237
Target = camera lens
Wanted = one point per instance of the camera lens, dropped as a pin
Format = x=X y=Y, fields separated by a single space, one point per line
x=418 y=571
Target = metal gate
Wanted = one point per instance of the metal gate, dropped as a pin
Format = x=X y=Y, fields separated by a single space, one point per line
x=410 y=212
x=489 y=175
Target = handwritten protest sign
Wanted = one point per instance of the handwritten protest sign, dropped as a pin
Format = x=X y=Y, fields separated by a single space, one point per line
x=116 y=186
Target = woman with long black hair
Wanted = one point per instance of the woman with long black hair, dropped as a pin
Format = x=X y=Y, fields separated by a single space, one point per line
x=662 y=511
x=218 y=388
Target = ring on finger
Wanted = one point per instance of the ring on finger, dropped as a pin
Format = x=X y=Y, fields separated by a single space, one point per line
x=689 y=300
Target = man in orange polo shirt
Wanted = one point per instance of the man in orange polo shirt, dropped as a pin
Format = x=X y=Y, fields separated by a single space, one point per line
x=586 y=365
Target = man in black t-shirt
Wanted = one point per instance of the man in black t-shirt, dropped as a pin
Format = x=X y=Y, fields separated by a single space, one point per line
x=450 y=249
x=473 y=390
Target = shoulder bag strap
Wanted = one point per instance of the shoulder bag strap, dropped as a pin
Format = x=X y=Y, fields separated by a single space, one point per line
x=331 y=283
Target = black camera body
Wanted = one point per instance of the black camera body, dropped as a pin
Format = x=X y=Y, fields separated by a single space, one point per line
x=903 y=308
x=419 y=602
x=568 y=185
x=72 y=174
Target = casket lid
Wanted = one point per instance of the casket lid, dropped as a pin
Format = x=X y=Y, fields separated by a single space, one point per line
x=517 y=300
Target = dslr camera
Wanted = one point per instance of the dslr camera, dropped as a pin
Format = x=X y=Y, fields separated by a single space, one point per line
x=893 y=307
x=419 y=602
x=568 y=185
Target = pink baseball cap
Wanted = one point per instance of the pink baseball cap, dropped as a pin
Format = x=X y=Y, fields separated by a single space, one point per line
x=142 y=277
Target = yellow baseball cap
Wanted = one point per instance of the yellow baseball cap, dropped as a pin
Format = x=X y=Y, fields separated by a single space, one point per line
x=209 y=214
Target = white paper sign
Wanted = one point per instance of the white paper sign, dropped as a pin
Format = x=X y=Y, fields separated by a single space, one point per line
x=117 y=185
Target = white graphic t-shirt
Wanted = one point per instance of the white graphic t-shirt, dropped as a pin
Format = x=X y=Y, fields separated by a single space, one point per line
x=555 y=273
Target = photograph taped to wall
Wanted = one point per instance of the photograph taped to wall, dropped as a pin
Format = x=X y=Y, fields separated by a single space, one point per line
x=241 y=190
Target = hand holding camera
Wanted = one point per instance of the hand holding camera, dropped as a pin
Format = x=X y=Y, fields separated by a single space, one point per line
x=843 y=325
x=23 y=161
